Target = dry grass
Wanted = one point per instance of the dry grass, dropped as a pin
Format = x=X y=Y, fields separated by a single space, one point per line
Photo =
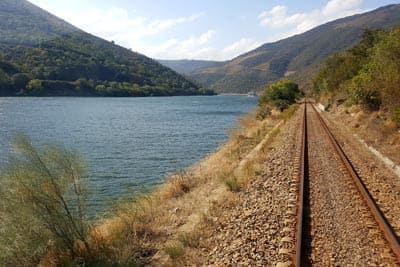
x=233 y=184
x=288 y=113
x=247 y=172
x=388 y=128
x=249 y=168
x=177 y=185
x=174 y=250
x=376 y=128
x=167 y=225
x=191 y=239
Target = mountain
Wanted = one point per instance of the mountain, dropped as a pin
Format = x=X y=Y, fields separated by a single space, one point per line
x=298 y=57
x=186 y=66
x=41 y=54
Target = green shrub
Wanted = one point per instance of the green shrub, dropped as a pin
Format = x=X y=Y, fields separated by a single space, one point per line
x=43 y=205
x=35 y=86
x=263 y=112
x=362 y=91
x=280 y=94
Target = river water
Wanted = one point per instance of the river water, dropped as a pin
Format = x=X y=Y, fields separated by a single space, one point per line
x=129 y=144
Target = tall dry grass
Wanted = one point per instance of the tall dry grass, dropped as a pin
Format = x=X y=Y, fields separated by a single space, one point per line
x=43 y=206
x=138 y=230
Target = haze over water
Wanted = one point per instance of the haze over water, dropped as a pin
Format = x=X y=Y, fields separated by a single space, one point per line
x=129 y=144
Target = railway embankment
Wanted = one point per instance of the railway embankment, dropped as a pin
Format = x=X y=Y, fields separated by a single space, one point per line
x=175 y=224
x=239 y=206
x=259 y=226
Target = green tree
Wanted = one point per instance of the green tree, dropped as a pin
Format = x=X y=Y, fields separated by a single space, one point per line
x=342 y=67
x=35 y=87
x=101 y=88
x=280 y=94
x=384 y=68
x=368 y=73
x=362 y=91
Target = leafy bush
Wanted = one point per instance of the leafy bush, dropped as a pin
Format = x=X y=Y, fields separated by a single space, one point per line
x=280 y=94
x=43 y=205
x=361 y=92
x=263 y=112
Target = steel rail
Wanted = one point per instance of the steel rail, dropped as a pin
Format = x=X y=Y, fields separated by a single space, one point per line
x=302 y=176
x=379 y=217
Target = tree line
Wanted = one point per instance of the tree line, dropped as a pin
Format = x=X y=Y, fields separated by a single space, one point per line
x=77 y=64
x=367 y=74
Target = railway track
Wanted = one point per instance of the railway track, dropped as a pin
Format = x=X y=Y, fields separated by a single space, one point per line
x=332 y=219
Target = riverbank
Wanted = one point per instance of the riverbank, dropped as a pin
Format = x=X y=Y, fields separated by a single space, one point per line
x=229 y=209
x=169 y=225
x=127 y=144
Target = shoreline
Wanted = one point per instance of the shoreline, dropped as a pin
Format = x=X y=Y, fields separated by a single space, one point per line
x=178 y=213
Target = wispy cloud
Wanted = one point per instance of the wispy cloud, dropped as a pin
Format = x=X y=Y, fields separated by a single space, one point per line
x=200 y=47
x=192 y=47
x=278 y=18
x=239 y=47
x=117 y=24
x=132 y=31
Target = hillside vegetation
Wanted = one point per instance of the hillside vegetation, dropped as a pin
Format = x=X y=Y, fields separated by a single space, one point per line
x=42 y=55
x=366 y=75
x=186 y=66
x=279 y=96
x=298 y=57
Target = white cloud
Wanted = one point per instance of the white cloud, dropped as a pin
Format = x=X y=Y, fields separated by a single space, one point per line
x=199 y=47
x=242 y=46
x=159 y=25
x=117 y=24
x=288 y=24
x=193 y=47
x=339 y=7
x=133 y=32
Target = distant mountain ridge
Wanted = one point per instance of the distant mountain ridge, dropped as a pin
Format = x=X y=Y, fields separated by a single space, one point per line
x=41 y=54
x=187 y=66
x=297 y=57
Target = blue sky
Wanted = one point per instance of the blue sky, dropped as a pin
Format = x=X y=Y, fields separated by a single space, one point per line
x=201 y=29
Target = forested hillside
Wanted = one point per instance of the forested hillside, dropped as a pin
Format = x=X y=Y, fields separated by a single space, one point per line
x=366 y=75
x=41 y=54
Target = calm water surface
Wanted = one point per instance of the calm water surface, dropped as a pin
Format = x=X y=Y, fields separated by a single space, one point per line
x=129 y=144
